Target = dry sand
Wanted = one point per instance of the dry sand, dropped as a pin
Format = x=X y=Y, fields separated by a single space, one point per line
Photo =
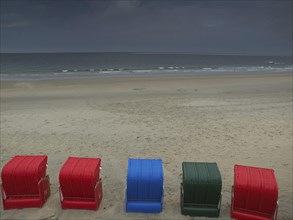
x=243 y=119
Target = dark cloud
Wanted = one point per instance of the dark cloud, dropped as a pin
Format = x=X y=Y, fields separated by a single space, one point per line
x=252 y=27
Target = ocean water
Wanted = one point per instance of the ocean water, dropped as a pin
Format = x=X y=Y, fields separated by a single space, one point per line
x=79 y=65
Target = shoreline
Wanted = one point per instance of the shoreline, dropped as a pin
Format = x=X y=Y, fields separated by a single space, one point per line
x=127 y=74
x=147 y=75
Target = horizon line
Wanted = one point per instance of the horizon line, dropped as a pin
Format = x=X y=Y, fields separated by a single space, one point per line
x=148 y=52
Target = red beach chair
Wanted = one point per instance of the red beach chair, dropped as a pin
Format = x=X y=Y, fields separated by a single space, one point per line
x=24 y=182
x=254 y=194
x=80 y=183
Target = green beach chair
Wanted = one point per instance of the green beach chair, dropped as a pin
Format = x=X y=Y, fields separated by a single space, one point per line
x=201 y=189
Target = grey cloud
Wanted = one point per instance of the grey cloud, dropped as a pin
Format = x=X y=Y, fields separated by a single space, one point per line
x=15 y=24
x=180 y=26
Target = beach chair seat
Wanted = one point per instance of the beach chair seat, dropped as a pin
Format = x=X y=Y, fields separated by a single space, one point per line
x=80 y=183
x=24 y=182
x=201 y=189
x=144 y=191
x=254 y=194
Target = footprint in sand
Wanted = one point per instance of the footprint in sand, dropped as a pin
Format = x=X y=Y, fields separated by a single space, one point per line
x=181 y=90
x=138 y=89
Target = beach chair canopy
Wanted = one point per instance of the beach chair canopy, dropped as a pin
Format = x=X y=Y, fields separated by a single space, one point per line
x=24 y=182
x=144 y=192
x=80 y=183
x=255 y=193
x=201 y=189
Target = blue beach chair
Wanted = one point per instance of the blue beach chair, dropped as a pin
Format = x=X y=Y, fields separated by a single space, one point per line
x=144 y=192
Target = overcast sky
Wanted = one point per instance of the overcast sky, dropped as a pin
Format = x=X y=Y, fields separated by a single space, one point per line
x=261 y=27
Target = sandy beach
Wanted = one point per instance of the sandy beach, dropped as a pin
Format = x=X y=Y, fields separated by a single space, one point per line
x=229 y=119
